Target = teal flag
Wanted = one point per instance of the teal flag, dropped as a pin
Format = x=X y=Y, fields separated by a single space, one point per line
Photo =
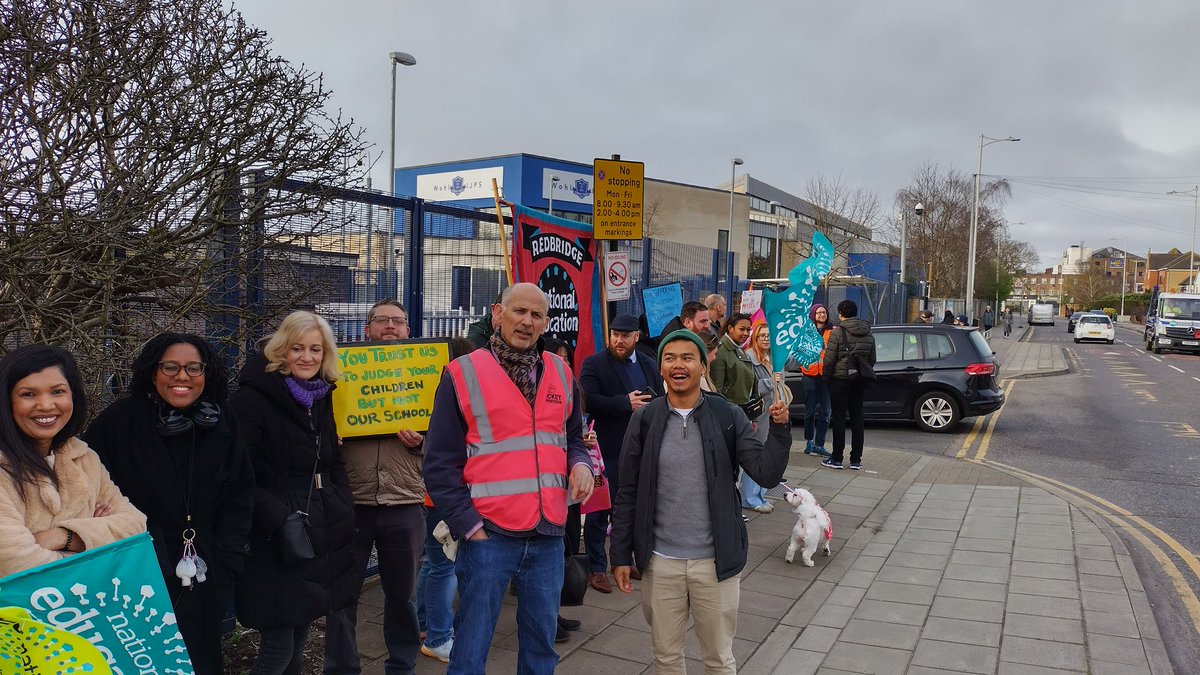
x=793 y=335
x=115 y=598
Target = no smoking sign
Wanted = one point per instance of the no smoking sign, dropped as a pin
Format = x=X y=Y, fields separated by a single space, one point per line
x=616 y=275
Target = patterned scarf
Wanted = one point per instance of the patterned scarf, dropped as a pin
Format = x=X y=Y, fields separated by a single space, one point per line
x=306 y=392
x=518 y=365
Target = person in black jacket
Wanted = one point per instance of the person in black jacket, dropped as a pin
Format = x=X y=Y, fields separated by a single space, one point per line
x=678 y=513
x=173 y=449
x=284 y=411
x=849 y=343
x=615 y=382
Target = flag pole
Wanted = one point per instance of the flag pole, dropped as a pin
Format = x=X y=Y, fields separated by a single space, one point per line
x=503 y=236
x=603 y=296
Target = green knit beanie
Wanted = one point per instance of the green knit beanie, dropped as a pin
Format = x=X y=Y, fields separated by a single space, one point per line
x=684 y=334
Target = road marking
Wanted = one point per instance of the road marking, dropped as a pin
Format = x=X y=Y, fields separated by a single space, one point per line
x=1196 y=378
x=970 y=439
x=991 y=426
x=1186 y=595
x=1173 y=367
x=1154 y=357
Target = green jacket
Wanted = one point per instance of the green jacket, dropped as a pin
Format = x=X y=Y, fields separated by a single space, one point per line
x=732 y=373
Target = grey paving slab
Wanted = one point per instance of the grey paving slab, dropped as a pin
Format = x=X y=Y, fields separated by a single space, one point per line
x=947 y=505
x=887 y=537
x=847 y=595
x=857 y=579
x=1044 y=628
x=1043 y=519
x=1059 y=588
x=1007 y=668
x=992 y=511
x=853 y=500
x=868 y=563
x=881 y=634
x=1101 y=567
x=774 y=584
x=987 y=531
x=980 y=633
x=962 y=493
x=856 y=658
x=764 y=604
x=878 y=549
x=1106 y=602
x=808 y=604
x=1094 y=552
x=955 y=656
x=1043 y=570
x=586 y=662
x=1062 y=556
x=924 y=546
x=773 y=651
x=817 y=638
x=924 y=670
x=970 y=610
x=753 y=627
x=988 y=545
x=798 y=662
x=1108 y=668
x=994 y=575
x=982 y=558
x=833 y=616
x=1042 y=541
x=922 y=561
x=1104 y=623
x=1116 y=649
x=909 y=575
x=1096 y=539
x=929 y=523
x=891 y=612
x=973 y=590
x=921 y=533
x=1065 y=608
x=620 y=642
x=1045 y=653
x=893 y=592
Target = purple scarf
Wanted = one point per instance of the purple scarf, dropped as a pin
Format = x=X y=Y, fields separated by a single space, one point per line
x=306 y=392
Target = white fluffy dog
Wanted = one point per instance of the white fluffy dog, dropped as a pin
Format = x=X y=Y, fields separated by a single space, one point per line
x=813 y=526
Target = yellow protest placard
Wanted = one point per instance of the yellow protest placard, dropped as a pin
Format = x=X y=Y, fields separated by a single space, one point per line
x=387 y=386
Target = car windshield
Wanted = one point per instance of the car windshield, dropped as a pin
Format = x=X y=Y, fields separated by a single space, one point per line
x=981 y=346
x=1181 y=308
x=1094 y=318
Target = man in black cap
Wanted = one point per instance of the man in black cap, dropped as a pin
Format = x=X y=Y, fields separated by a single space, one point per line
x=615 y=382
x=924 y=316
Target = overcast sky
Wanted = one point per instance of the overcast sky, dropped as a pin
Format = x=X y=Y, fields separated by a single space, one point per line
x=867 y=91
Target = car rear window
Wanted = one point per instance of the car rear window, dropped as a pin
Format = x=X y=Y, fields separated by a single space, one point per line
x=938 y=346
x=1094 y=318
x=981 y=346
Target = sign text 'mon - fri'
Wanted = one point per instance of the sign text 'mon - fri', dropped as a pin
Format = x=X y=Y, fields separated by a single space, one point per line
x=619 y=196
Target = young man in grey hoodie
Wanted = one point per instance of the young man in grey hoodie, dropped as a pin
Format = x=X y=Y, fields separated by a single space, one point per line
x=849 y=342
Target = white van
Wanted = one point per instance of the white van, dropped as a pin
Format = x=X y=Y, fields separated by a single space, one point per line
x=1041 y=313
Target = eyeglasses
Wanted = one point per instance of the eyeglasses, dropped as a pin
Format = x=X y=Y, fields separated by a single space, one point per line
x=171 y=369
x=394 y=320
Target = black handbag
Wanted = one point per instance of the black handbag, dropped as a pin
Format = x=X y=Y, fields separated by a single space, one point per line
x=292 y=536
x=575 y=581
x=754 y=407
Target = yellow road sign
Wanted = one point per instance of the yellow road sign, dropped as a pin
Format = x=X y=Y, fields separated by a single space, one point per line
x=619 y=195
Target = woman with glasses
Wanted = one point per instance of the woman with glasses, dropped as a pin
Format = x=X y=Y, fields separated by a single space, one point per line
x=284 y=410
x=56 y=499
x=172 y=447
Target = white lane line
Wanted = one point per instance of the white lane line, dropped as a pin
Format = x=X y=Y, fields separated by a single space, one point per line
x=1196 y=378
x=1174 y=368
x=1154 y=357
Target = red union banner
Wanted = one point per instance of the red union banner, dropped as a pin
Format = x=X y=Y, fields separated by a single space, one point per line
x=559 y=256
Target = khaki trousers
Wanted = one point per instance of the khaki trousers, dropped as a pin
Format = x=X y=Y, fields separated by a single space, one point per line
x=670 y=588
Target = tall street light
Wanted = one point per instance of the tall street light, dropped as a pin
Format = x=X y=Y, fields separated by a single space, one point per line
x=1124 y=269
x=553 y=184
x=983 y=141
x=403 y=59
x=733 y=165
x=1195 y=193
x=778 y=237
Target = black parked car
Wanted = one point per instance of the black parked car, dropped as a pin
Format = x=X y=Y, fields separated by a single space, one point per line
x=933 y=374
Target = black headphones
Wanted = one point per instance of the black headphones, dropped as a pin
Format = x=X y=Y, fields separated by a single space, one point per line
x=176 y=422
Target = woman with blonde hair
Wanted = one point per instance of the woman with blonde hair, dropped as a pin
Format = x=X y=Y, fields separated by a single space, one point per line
x=754 y=496
x=284 y=412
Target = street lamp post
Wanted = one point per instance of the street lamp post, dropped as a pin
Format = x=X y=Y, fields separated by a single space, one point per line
x=1195 y=193
x=975 y=219
x=778 y=238
x=733 y=165
x=553 y=184
x=403 y=59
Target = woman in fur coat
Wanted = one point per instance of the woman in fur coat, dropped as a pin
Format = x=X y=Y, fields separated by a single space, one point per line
x=56 y=498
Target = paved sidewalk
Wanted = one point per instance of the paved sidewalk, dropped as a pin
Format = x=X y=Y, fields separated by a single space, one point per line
x=1020 y=358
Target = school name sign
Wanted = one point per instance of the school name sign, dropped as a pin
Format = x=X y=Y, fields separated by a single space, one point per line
x=387 y=386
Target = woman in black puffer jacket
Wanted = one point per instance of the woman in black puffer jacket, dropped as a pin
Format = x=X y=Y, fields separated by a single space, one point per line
x=285 y=415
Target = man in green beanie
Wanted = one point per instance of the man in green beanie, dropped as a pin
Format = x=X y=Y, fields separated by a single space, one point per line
x=677 y=512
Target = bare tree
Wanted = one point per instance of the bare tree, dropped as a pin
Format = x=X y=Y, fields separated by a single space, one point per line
x=938 y=241
x=138 y=137
x=840 y=212
x=1088 y=288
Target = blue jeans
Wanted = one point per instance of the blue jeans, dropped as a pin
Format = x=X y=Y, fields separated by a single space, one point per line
x=816 y=410
x=485 y=569
x=435 y=588
x=753 y=494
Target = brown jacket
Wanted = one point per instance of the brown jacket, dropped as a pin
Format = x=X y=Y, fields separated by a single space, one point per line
x=83 y=484
x=384 y=472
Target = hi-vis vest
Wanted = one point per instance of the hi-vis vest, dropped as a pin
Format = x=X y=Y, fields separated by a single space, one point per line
x=516 y=455
x=818 y=368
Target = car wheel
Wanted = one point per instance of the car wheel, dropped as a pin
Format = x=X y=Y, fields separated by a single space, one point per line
x=1110 y=342
x=1076 y=340
x=937 y=412
x=1155 y=348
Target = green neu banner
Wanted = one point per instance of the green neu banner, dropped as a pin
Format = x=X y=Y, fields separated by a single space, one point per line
x=114 y=598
